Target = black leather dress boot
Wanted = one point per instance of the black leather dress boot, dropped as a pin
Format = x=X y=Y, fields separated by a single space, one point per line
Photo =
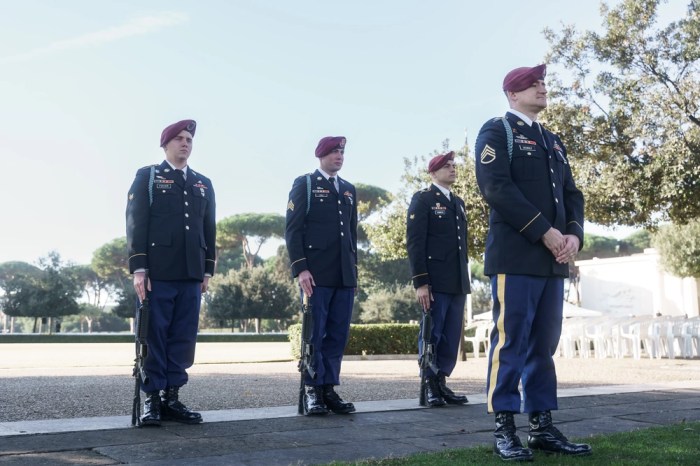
x=151 y=410
x=507 y=444
x=448 y=395
x=544 y=436
x=433 y=396
x=173 y=410
x=313 y=401
x=334 y=402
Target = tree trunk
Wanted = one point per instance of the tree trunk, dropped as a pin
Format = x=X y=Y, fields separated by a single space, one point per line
x=258 y=321
x=35 y=322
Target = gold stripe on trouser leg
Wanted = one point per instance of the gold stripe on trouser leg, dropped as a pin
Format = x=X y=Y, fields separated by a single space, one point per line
x=493 y=375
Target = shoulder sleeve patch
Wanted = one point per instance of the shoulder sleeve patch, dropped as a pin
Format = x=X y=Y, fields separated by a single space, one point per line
x=488 y=155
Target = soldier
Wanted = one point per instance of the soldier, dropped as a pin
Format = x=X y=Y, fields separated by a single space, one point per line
x=436 y=240
x=535 y=229
x=321 y=236
x=171 y=236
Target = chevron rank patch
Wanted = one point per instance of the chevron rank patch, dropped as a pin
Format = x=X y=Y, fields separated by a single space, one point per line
x=290 y=205
x=488 y=155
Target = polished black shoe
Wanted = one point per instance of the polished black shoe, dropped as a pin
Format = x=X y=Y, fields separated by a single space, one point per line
x=507 y=444
x=173 y=410
x=151 y=410
x=433 y=396
x=313 y=401
x=544 y=436
x=334 y=402
x=450 y=397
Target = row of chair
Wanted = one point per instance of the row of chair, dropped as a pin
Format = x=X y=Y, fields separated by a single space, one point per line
x=619 y=337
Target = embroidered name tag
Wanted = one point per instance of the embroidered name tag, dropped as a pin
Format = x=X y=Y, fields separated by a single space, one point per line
x=163 y=186
x=439 y=210
x=527 y=148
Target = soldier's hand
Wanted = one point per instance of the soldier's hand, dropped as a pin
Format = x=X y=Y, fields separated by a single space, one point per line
x=568 y=252
x=554 y=241
x=424 y=297
x=205 y=284
x=142 y=284
x=306 y=282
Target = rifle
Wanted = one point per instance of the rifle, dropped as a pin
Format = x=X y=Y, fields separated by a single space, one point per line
x=306 y=349
x=139 y=373
x=427 y=354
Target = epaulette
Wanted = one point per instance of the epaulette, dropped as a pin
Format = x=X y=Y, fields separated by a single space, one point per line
x=493 y=120
x=425 y=190
x=148 y=167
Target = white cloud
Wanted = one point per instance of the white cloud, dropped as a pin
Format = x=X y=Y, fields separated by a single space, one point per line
x=134 y=27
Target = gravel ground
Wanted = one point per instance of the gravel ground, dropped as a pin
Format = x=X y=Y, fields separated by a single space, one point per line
x=54 y=381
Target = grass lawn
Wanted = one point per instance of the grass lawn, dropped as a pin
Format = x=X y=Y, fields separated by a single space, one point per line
x=677 y=444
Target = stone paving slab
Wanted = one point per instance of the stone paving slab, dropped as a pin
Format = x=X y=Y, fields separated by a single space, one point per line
x=319 y=440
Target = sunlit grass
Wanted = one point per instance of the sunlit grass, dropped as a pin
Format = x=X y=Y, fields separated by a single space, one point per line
x=677 y=444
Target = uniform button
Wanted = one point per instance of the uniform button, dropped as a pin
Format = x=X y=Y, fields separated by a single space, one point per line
x=460 y=248
x=153 y=244
x=340 y=212
x=164 y=190
x=459 y=237
x=186 y=203
x=556 y=200
x=342 y=234
x=551 y=170
x=185 y=193
x=342 y=223
x=458 y=227
x=554 y=185
x=187 y=215
x=310 y=246
x=529 y=153
x=187 y=227
x=338 y=202
x=430 y=257
x=321 y=200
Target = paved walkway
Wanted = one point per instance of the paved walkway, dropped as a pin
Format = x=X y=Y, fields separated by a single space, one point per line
x=275 y=435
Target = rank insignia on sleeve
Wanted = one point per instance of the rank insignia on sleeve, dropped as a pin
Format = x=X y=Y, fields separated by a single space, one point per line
x=131 y=196
x=488 y=155
x=290 y=205
x=412 y=216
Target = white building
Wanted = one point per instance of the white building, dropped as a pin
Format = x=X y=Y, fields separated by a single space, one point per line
x=636 y=285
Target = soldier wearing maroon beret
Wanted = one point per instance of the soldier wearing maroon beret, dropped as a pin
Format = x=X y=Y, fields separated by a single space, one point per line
x=535 y=229
x=436 y=241
x=321 y=237
x=171 y=241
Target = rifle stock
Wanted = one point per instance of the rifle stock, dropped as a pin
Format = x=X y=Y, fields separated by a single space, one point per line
x=306 y=347
x=427 y=354
x=139 y=373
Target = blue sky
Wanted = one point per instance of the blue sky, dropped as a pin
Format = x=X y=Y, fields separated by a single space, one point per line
x=87 y=87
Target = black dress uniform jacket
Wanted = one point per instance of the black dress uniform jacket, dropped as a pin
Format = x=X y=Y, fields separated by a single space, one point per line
x=175 y=237
x=325 y=237
x=436 y=240
x=527 y=195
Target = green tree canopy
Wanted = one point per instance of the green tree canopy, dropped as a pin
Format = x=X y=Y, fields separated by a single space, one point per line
x=52 y=292
x=679 y=247
x=248 y=232
x=628 y=109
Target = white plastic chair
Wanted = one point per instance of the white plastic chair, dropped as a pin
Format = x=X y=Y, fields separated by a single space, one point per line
x=481 y=335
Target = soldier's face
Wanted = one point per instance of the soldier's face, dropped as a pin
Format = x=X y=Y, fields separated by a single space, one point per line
x=446 y=175
x=333 y=162
x=532 y=99
x=178 y=149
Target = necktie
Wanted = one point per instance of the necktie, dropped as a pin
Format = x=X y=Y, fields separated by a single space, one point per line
x=542 y=138
x=331 y=180
x=182 y=174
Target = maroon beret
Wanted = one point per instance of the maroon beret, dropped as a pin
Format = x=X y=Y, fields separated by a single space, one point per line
x=439 y=161
x=174 y=129
x=329 y=144
x=520 y=79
